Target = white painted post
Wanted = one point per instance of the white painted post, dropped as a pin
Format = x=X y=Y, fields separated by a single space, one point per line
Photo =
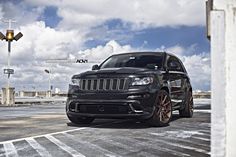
x=230 y=59
x=223 y=43
x=218 y=83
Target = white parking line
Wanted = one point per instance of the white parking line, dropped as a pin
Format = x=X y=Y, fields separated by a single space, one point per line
x=41 y=150
x=10 y=150
x=93 y=146
x=184 y=146
x=205 y=131
x=203 y=111
x=60 y=132
x=200 y=138
x=189 y=148
x=63 y=146
x=54 y=133
x=156 y=146
x=182 y=138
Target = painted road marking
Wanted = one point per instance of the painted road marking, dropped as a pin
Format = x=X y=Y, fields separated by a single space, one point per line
x=41 y=150
x=54 y=133
x=60 y=132
x=184 y=146
x=179 y=138
x=10 y=150
x=203 y=111
x=201 y=138
x=63 y=146
x=93 y=146
x=160 y=148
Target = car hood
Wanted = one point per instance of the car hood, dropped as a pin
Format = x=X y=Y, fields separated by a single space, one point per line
x=116 y=71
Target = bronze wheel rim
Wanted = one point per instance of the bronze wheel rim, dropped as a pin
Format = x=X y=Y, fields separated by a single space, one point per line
x=164 y=111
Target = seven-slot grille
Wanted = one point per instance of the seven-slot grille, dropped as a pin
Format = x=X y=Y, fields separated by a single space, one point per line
x=103 y=84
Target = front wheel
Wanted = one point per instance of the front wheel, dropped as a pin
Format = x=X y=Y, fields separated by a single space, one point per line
x=187 y=111
x=163 y=112
x=81 y=120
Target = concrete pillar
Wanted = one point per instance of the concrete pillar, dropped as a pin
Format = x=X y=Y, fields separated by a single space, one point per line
x=49 y=94
x=21 y=93
x=36 y=94
x=218 y=82
x=8 y=96
x=223 y=51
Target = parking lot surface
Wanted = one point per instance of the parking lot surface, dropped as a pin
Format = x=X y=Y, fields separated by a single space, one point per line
x=43 y=130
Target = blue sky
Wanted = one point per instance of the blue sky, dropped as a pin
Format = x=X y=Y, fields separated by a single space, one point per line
x=71 y=29
x=49 y=16
x=149 y=38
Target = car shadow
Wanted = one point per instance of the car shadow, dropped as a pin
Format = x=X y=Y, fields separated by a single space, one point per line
x=119 y=123
x=175 y=116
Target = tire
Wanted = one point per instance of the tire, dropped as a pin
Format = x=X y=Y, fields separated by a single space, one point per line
x=187 y=111
x=81 y=120
x=163 y=110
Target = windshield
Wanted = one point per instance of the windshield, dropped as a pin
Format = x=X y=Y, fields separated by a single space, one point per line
x=134 y=60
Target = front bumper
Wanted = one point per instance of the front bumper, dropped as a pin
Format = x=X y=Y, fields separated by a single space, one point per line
x=116 y=105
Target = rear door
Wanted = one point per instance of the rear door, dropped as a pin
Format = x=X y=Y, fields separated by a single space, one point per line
x=177 y=80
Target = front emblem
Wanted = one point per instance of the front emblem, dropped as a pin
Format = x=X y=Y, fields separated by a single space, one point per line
x=101 y=108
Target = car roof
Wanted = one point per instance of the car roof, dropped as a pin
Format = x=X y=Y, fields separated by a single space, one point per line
x=140 y=53
x=145 y=53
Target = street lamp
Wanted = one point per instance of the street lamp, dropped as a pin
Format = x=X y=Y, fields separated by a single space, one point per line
x=9 y=37
x=49 y=82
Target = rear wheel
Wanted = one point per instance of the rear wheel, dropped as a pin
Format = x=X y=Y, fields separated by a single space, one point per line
x=187 y=111
x=81 y=120
x=163 y=112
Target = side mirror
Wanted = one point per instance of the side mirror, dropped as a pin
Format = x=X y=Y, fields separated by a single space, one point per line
x=152 y=66
x=95 y=67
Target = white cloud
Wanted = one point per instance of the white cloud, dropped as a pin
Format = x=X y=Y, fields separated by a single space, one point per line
x=56 y=44
x=149 y=13
x=41 y=42
x=199 y=70
x=1 y=12
x=38 y=44
x=177 y=50
x=19 y=12
x=102 y=52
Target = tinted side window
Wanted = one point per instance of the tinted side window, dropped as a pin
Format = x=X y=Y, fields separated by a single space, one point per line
x=173 y=64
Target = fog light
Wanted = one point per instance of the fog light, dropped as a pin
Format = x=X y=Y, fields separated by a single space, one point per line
x=138 y=96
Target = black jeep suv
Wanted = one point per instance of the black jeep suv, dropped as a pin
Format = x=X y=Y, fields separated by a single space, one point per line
x=143 y=85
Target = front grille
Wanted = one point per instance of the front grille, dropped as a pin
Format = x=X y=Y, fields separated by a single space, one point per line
x=105 y=84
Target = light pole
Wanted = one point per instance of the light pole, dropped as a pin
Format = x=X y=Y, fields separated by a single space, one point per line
x=49 y=82
x=9 y=37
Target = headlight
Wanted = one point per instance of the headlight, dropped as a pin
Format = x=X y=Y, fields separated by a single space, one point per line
x=142 y=81
x=75 y=82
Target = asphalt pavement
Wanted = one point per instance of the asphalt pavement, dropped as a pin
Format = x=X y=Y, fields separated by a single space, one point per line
x=44 y=130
